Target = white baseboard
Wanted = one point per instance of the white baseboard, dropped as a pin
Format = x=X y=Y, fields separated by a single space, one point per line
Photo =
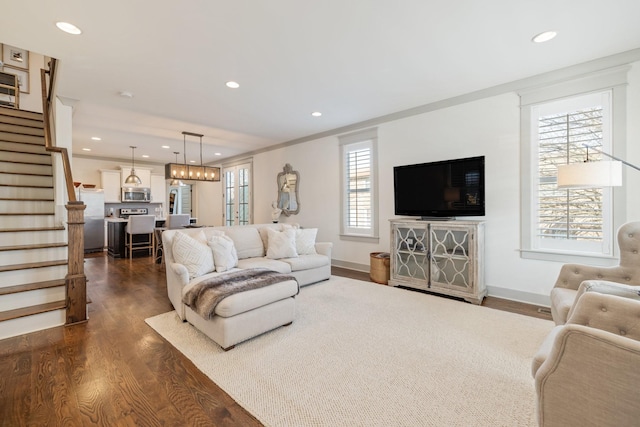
x=494 y=291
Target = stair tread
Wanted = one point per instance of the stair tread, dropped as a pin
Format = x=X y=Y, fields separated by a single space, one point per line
x=26 y=186
x=28 y=229
x=20 y=113
x=29 y=265
x=32 y=286
x=35 y=153
x=28 y=311
x=26 y=174
x=23 y=199
x=33 y=246
x=25 y=213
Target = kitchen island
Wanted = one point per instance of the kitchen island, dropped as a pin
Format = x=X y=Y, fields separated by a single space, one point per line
x=116 y=237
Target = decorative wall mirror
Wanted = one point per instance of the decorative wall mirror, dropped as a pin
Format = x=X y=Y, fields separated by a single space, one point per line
x=288 y=182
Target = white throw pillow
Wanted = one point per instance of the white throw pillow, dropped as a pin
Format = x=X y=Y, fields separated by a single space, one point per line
x=247 y=241
x=194 y=255
x=306 y=241
x=282 y=244
x=225 y=256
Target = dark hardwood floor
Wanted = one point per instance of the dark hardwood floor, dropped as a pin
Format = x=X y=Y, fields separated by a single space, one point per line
x=114 y=369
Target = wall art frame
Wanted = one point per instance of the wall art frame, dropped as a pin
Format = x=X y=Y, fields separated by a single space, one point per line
x=15 y=57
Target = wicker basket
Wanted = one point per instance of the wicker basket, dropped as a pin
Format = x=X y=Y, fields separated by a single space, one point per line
x=379 y=272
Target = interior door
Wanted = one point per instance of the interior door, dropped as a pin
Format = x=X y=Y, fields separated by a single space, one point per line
x=237 y=208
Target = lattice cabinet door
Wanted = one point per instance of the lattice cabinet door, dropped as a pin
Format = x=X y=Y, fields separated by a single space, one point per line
x=455 y=266
x=410 y=254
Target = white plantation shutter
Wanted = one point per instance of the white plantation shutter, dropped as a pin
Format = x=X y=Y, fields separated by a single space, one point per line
x=358 y=173
x=359 y=184
x=575 y=219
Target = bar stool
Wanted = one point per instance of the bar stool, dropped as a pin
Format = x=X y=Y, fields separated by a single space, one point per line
x=177 y=221
x=140 y=224
x=158 y=258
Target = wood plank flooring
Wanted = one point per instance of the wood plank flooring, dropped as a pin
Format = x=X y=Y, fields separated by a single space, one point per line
x=114 y=369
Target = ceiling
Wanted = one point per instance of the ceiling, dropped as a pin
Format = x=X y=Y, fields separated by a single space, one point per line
x=350 y=60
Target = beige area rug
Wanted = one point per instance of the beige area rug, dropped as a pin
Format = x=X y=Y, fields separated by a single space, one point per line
x=362 y=354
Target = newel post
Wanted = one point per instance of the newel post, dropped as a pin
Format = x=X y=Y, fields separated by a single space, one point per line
x=76 y=281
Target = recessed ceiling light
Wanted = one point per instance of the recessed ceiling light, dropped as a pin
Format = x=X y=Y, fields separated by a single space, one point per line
x=217 y=154
x=146 y=156
x=233 y=85
x=192 y=161
x=86 y=149
x=544 y=37
x=96 y=138
x=165 y=146
x=68 y=28
x=316 y=114
x=126 y=94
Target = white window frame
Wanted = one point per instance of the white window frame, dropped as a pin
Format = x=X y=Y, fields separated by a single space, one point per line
x=536 y=103
x=349 y=143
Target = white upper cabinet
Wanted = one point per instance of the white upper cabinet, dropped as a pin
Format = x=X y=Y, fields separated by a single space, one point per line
x=110 y=185
x=158 y=189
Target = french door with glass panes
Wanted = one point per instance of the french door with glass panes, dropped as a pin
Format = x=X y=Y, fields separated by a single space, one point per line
x=237 y=195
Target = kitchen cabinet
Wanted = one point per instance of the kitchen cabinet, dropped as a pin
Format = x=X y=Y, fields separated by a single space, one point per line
x=158 y=189
x=110 y=181
x=116 y=238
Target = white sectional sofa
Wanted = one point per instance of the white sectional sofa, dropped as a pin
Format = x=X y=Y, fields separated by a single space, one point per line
x=246 y=314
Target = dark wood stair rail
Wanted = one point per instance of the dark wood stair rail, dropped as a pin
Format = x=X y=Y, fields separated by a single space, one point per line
x=75 y=280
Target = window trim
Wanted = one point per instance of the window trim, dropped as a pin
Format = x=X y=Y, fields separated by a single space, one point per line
x=614 y=80
x=345 y=142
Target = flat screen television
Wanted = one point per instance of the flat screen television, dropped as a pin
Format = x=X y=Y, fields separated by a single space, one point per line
x=444 y=189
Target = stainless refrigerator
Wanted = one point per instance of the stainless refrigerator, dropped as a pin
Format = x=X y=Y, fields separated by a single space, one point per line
x=93 y=219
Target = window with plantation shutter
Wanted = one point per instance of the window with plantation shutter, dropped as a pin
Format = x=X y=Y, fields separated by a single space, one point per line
x=564 y=124
x=573 y=221
x=359 y=184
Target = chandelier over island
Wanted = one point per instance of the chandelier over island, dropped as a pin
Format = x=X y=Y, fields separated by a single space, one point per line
x=183 y=171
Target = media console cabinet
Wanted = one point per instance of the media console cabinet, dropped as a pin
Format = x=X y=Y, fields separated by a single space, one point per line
x=445 y=257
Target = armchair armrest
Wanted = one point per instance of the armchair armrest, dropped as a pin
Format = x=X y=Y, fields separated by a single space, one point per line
x=589 y=378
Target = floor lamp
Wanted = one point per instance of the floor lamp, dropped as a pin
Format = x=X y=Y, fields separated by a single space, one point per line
x=589 y=174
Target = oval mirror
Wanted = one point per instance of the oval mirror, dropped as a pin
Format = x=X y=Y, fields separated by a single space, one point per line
x=288 y=182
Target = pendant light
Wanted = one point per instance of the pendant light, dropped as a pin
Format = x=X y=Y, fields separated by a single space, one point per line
x=176 y=171
x=133 y=179
x=175 y=182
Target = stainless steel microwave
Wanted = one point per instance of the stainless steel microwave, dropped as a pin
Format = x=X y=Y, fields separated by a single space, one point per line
x=136 y=194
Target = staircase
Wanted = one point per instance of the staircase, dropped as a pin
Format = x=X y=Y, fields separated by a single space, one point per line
x=33 y=248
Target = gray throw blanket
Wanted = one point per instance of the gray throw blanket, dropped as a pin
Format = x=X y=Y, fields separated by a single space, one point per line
x=205 y=296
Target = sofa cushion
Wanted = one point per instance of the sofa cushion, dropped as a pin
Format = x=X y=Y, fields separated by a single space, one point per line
x=224 y=252
x=306 y=262
x=282 y=244
x=271 y=264
x=250 y=300
x=193 y=254
x=246 y=240
x=306 y=241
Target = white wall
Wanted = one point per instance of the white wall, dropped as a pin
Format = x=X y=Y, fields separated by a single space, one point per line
x=488 y=127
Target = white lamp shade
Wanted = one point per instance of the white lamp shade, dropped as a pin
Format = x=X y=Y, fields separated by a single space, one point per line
x=590 y=175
